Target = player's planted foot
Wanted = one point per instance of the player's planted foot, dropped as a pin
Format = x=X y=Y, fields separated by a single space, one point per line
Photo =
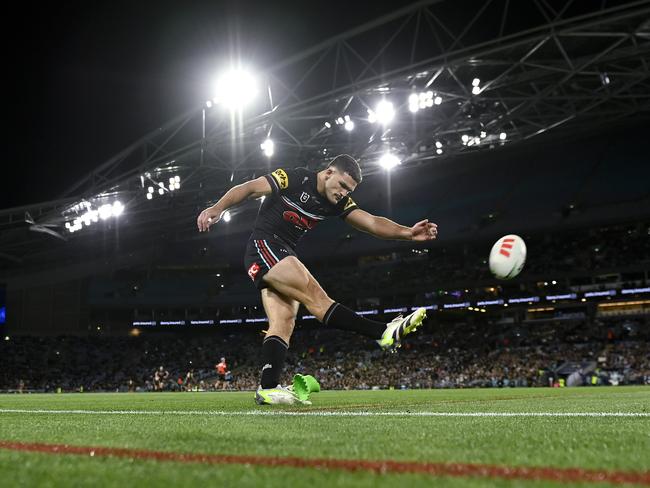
x=279 y=395
x=399 y=327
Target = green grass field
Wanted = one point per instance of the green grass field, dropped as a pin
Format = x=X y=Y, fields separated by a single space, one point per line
x=375 y=426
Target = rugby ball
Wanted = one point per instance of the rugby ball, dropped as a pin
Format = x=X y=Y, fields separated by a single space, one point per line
x=507 y=257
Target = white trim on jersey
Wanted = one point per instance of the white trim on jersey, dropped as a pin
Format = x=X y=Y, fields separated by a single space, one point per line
x=274 y=182
x=298 y=207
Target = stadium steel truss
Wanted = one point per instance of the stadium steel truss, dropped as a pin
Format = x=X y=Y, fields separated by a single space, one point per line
x=491 y=73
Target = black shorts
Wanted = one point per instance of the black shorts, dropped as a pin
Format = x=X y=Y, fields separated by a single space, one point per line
x=261 y=256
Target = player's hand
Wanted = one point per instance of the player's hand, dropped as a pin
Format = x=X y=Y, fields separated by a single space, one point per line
x=208 y=217
x=424 y=231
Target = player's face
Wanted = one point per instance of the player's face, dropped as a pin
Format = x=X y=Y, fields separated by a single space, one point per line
x=338 y=185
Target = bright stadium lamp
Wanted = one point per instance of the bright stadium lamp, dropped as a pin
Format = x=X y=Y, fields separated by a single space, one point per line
x=235 y=88
x=226 y=216
x=384 y=112
x=268 y=148
x=414 y=102
x=388 y=161
x=105 y=211
x=118 y=208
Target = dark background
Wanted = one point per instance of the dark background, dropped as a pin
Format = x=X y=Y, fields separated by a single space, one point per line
x=86 y=79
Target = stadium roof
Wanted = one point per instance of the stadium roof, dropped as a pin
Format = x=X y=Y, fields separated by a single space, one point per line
x=483 y=75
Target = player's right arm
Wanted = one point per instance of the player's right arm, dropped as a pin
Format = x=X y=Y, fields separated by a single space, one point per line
x=237 y=194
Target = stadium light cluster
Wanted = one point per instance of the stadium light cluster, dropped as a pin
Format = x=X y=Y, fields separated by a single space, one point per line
x=234 y=89
x=423 y=100
x=476 y=89
x=383 y=114
x=174 y=184
x=388 y=161
x=268 y=147
x=92 y=215
x=345 y=121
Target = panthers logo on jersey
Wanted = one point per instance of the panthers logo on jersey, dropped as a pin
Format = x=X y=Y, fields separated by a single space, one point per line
x=281 y=177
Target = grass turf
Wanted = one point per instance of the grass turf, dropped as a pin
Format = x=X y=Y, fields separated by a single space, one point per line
x=609 y=443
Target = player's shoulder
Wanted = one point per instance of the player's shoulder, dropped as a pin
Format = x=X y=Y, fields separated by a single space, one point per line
x=285 y=177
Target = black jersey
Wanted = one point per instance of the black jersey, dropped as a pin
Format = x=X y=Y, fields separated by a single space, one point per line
x=295 y=206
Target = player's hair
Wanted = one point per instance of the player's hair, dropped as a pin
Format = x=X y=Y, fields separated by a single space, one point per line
x=347 y=164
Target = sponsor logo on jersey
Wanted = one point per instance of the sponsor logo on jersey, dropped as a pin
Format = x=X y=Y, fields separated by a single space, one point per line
x=281 y=177
x=304 y=197
x=301 y=222
x=349 y=204
x=253 y=270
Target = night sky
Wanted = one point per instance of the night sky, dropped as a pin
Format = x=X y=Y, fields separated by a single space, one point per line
x=86 y=79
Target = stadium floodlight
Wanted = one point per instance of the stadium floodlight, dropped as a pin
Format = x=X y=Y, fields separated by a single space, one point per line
x=149 y=196
x=105 y=211
x=372 y=117
x=161 y=191
x=438 y=144
x=118 y=208
x=483 y=134
x=384 y=112
x=349 y=125
x=476 y=90
x=414 y=102
x=476 y=82
x=604 y=79
x=502 y=136
x=388 y=161
x=437 y=100
x=226 y=216
x=268 y=147
x=328 y=125
x=426 y=99
x=208 y=103
x=235 y=89
x=465 y=138
x=177 y=179
x=439 y=151
x=150 y=189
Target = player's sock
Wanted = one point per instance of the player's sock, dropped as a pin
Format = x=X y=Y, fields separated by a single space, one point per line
x=274 y=352
x=341 y=317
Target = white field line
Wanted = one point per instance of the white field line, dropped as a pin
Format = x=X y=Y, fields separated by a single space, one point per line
x=291 y=413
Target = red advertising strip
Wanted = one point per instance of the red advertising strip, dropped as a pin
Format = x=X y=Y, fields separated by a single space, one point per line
x=562 y=475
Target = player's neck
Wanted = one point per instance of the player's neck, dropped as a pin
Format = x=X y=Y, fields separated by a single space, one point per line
x=320 y=183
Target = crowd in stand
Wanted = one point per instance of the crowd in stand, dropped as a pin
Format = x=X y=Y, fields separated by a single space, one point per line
x=573 y=254
x=464 y=352
x=475 y=353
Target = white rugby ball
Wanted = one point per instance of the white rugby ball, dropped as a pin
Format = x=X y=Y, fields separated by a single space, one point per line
x=507 y=257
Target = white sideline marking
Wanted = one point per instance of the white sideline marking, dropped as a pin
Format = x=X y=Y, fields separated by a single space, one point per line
x=288 y=413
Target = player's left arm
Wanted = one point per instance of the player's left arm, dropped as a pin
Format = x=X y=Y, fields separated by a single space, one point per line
x=387 y=229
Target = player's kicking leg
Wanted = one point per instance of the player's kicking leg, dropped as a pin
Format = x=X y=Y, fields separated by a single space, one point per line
x=293 y=280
